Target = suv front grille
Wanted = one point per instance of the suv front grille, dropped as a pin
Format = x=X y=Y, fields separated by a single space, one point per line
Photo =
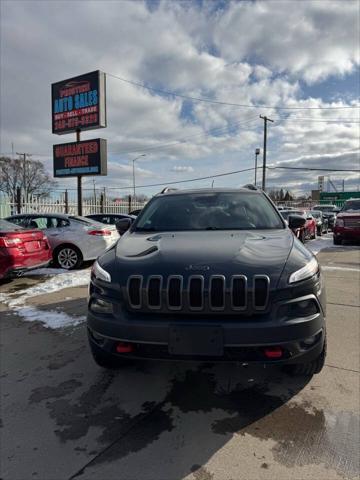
x=352 y=222
x=198 y=293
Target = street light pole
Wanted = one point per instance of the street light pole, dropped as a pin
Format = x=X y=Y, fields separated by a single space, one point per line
x=143 y=155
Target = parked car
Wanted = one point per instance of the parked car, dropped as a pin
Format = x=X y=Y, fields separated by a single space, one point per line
x=212 y=275
x=310 y=226
x=347 y=226
x=308 y=231
x=329 y=212
x=21 y=250
x=109 y=218
x=322 y=222
x=299 y=232
x=73 y=239
x=136 y=212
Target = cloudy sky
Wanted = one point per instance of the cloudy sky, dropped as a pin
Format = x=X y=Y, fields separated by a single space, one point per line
x=301 y=55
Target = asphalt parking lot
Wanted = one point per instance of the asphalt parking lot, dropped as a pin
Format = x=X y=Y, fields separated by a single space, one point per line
x=65 y=418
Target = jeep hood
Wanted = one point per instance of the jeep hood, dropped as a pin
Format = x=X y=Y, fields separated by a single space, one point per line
x=205 y=252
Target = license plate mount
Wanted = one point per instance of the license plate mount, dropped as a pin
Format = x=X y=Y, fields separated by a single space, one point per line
x=196 y=340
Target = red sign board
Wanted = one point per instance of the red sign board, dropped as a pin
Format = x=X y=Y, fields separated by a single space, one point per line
x=88 y=157
x=78 y=103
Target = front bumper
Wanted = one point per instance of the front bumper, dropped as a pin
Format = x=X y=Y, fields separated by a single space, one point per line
x=347 y=233
x=242 y=341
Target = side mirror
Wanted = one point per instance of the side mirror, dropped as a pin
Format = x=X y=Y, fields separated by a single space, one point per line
x=123 y=225
x=296 y=221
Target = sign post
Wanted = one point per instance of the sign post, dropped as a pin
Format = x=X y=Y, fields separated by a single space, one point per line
x=79 y=103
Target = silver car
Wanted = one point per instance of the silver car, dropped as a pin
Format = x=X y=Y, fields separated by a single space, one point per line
x=73 y=239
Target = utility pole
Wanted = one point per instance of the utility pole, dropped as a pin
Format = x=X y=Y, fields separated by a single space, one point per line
x=257 y=151
x=266 y=119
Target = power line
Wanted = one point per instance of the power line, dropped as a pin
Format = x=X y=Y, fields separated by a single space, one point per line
x=184 y=181
x=233 y=173
x=311 y=169
x=310 y=120
x=183 y=140
x=215 y=130
x=218 y=102
x=315 y=169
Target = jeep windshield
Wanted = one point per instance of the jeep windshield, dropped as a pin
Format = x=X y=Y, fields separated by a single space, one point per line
x=209 y=211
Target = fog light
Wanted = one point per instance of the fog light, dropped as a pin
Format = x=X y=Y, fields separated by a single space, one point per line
x=309 y=341
x=122 y=347
x=101 y=306
x=273 y=352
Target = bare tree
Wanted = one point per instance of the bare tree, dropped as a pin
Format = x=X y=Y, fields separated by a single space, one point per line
x=28 y=175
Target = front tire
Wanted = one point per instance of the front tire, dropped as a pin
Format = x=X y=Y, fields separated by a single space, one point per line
x=310 y=368
x=68 y=257
x=337 y=241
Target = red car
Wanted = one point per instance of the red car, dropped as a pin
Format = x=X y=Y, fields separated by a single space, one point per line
x=21 y=249
x=310 y=226
x=347 y=225
x=308 y=231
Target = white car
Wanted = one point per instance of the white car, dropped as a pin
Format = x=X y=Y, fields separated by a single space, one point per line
x=73 y=239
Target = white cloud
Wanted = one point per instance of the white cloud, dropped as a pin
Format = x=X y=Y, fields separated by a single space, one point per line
x=179 y=168
x=308 y=39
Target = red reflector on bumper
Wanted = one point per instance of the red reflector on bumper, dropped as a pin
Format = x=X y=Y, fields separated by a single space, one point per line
x=273 y=352
x=124 y=347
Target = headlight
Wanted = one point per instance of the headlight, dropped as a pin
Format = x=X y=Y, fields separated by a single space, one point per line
x=305 y=272
x=339 y=222
x=100 y=273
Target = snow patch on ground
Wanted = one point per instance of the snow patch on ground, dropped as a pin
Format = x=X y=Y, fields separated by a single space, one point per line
x=47 y=271
x=51 y=319
x=325 y=241
x=343 y=269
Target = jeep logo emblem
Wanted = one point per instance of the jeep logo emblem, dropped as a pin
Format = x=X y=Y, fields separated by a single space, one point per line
x=198 y=268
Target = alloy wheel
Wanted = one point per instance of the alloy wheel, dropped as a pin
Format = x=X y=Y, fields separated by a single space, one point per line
x=67 y=258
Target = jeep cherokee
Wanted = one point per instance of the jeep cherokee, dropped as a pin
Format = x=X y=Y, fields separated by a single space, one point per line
x=213 y=275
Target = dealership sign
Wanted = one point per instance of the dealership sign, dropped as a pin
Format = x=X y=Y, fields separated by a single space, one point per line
x=88 y=157
x=78 y=103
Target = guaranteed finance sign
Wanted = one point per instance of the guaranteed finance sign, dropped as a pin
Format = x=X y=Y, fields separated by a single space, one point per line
x=88 y=157
x=78 y=103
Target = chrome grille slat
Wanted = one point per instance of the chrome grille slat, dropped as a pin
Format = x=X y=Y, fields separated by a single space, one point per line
x=192 y=293
x=134 y=288
x=212 y=292
x=265 y=280
x=216 y=293
x=173 y=279
x=242 y=281
x=154 y=289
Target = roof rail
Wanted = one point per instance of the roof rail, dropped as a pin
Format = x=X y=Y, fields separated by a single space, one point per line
x=168 y=189
x=250 y=186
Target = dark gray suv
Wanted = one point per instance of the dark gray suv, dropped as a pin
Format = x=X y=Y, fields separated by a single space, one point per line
x=213 y=275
